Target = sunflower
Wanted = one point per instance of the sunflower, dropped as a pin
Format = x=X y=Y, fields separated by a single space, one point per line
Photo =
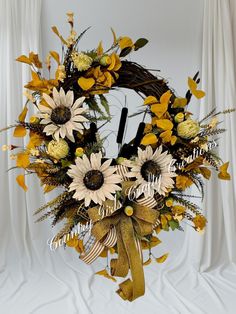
x=153 y=172
x=93 y=180
x=62 y=115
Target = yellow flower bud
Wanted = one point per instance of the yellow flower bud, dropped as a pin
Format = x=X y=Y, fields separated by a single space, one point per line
x=34 y=119
x=79 y=152
x=58 y=150
x=169 y=202
x=188 y=129
x=105 y=60
x=179 y=117
x=129 y=210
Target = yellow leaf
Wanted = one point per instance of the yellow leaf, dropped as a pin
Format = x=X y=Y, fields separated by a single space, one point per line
x=165 y=98
x=166 y=136
x=35 y=140
x=125 y=42
x=105 y=274
x=22 y=160
x=178 y=210
x=55 y=56
x=179 y=103
x=55 y=30
x=23 y=114
x=80 y=247
x=148 y=262
x=158 y=229
x=183 y=182
x=19 y=131
x=150 y=244
x=103 y=254
x=163 y=221
x=162 y=259
x=100 y=49
x=48 y=188
x=224 y=175
x=205 y=172
x=149 y=139
x=150 y=100
x=117 y=66
x=34 y=58
x=173 y=139
x=86 y=83
x=199 y=222
x=74 y=242
x=115 y=63
x=193 y=88
x=195 y=164
x=112 y=250
x=20 y=179
x=159 y=109
x=35 y=76
x=114 y=36
x=24 y=59
x=164 y=124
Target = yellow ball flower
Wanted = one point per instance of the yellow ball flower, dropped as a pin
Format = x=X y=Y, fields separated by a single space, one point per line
x=105 y=60
x=179 y=117
x=81 y=61
x=188 y=129
x=129 y=210
x=79 y=152
x=58 y=150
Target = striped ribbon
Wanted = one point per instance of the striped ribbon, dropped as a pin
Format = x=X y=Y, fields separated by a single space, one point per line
x=99 y=246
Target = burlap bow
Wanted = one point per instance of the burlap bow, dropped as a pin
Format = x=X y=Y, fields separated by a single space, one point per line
x=129 y=230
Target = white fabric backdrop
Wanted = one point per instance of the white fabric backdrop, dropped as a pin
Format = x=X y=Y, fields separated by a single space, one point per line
x=199 y=278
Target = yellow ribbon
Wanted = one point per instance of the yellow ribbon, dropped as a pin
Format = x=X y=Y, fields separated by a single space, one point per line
x=129 y=229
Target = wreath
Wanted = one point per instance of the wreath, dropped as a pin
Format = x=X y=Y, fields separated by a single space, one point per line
x=113 y=207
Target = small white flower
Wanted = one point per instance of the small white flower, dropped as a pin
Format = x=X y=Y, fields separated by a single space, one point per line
x=93 y=180
x=63 y=115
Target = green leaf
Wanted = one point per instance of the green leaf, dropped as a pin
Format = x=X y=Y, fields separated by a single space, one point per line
x=65 y=163
x=105 y=104
x=92 y=103
x=174 y=224
x=124 y=52
x=140 y=43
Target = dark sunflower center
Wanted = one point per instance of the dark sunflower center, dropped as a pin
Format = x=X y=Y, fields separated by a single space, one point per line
x=93 y=180
x=60 y=115
x=150 y=171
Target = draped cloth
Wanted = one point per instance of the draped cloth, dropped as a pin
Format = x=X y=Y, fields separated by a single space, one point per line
x=200 y=278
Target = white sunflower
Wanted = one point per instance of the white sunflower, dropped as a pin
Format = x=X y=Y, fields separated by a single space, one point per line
x=93 y=180
x=153 y=171
x=63 y=115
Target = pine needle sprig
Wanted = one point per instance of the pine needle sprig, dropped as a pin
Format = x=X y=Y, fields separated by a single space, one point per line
x=210 y=114
x=189 y=205
x=211 y=159
x=212 y=132
x=52 y=203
